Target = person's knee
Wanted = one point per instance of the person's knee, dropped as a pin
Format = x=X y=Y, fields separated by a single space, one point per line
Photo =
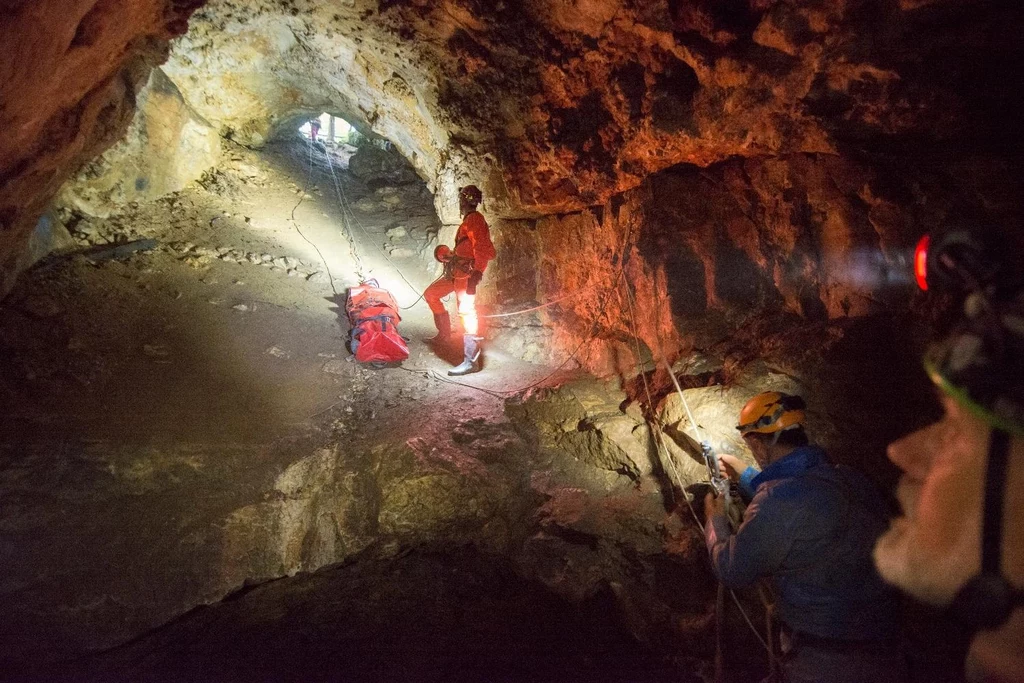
x=433 y=299
x=434 y=302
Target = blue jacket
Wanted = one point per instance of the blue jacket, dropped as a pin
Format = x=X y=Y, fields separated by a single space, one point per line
x=811 y=527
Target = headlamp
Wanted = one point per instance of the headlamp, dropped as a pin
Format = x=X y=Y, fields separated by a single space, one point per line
x=957 y=260
x=981 y=362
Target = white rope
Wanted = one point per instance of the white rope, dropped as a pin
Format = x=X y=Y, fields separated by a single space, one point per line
x=679 y=389
x=295 y=223
x=544 y=305
x=343 y=202
x=668 y=458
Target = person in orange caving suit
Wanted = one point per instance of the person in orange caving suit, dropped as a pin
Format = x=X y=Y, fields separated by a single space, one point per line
x=464 y=268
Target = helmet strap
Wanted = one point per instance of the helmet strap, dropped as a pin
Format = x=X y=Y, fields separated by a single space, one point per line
x=987 y=599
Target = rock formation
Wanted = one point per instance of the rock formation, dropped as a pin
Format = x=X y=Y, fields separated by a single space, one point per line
x=549 y=107
x=67 y=91
x=166 y=147
x=728 y=187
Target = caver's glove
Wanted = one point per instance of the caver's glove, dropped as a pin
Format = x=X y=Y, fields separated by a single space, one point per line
x=474 y=279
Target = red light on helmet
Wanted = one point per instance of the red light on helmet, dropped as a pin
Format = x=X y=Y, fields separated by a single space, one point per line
x=921 y=262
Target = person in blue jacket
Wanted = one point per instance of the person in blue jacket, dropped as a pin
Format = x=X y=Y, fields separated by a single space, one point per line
x=810 y=526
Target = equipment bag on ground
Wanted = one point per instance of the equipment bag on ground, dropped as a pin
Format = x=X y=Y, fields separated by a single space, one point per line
x=373 y=314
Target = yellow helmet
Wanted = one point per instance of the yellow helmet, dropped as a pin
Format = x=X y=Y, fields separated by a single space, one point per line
x=770 y=412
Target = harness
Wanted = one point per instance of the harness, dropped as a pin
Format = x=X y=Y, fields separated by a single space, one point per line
x=457 y=266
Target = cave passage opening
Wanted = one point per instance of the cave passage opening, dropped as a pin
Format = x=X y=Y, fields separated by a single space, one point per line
x=327 y=128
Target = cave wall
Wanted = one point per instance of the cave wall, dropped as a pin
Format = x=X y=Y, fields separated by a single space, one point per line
x=788 y=272
x=706 y=251
x=252 y=68
x=550 y=107
x=166 y=147
x=69 y=72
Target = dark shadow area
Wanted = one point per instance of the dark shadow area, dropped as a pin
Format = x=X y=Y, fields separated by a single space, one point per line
x=457 y=616
x=117 y=352
x=670 y=493
x=338 y=307
x=451 y=351
x=875 y=392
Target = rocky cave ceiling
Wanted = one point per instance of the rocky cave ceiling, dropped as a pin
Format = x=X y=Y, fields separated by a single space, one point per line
x=549 y=106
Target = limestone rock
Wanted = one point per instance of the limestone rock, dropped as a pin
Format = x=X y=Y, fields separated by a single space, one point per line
x=166 y=147
x=67 y=94
x=334 y=367
x=317 y=518
x=372 y=163
x=431 y=493
x=49 y=236
x=579 y=419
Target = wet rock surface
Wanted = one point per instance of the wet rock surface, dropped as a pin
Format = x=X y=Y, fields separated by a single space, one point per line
x=382 y=167
x=166 y=147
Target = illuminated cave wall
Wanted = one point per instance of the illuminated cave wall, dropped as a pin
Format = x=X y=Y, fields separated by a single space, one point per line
x=761 y=158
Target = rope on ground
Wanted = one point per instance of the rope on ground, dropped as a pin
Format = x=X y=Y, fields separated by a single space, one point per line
x=348 y=228
x=571 y=356
x=346 y=208
x=348 y=216
x=510 y=392
x=295 y=223
x=343 y=202
x=434 y=374
x=420 y=297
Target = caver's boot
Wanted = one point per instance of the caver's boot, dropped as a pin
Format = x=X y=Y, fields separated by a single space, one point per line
x=473 y=351
x=443 y=321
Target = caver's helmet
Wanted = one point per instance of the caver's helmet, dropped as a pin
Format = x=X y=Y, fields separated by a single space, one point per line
x=770 y=412
x=471 y=194
x=980 y=364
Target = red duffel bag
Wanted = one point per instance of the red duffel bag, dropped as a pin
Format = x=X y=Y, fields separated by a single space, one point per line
x=374 y=317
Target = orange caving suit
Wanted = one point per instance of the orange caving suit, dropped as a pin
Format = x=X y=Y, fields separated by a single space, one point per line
x=473 y=250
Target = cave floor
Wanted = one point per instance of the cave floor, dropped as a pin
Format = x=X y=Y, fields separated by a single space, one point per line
x=188 y=342
x=185 y=421
x=457 y=616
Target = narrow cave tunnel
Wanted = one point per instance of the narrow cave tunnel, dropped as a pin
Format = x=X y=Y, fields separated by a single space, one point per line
x=199 y=481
